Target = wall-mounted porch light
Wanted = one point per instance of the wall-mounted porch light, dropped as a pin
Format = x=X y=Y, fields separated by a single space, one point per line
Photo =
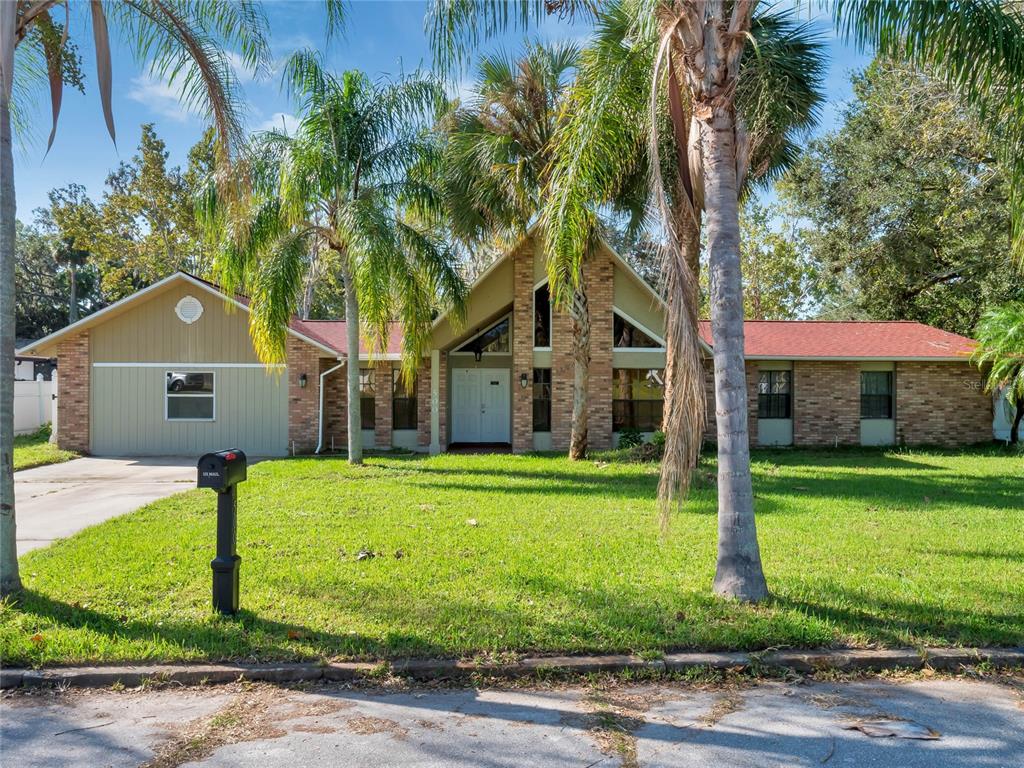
x=302 y=381
x=524 y=380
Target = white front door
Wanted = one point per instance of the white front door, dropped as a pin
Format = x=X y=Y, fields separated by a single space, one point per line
x=481 y=405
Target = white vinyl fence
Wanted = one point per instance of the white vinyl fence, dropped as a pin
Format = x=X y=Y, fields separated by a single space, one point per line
x=34 y=405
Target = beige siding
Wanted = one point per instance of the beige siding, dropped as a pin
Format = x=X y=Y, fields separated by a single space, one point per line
x=488 y=301
x=638 y=358
x=152 y=332
x=638 y=302
x=127 y=413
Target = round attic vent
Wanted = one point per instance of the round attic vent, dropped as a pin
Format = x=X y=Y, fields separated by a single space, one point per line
x=189 y=310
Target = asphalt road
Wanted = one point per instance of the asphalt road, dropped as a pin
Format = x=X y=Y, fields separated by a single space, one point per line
x=972 y=723
x=57 y=500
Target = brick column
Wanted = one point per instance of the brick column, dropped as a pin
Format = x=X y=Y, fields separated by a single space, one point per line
x=826 y=403
x=442 y=399
x=563 y=369
x=303 y=402
x=423 y=404
x=73 y=384
x=522 y=349
x=599 y=276
x=382 y=416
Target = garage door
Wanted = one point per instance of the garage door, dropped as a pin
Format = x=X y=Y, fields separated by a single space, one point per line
x=187 y=409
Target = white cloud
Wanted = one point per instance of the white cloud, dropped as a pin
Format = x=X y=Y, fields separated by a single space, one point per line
x=278 y=120
x=242 y=73
x=161 y=97
x=462 y=90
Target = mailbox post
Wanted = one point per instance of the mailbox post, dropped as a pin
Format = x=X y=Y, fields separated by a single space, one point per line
x=223 y=471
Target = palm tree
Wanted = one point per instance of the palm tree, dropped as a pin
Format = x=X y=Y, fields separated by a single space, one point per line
x=618 y=129
x=698 y=65
x=181 y=41
x=1000 y=350
x=613 y=104
x=359 y=177
x=497 y=169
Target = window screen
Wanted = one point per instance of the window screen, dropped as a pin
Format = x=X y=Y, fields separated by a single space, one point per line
x=367 y=397
x=403 y=401
x=774 y=398
x=876 y=394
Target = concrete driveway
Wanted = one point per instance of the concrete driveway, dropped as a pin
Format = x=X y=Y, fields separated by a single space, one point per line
x=58 y=500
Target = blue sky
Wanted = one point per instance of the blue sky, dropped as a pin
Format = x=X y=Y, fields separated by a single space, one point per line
x=382 y=37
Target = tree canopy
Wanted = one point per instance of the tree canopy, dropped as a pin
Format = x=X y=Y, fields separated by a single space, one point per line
x=907 y=206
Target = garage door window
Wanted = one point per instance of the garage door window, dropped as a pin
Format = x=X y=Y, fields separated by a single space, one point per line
x=189 y=396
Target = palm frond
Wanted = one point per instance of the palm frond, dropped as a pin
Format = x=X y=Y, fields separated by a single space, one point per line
x=1000 y=350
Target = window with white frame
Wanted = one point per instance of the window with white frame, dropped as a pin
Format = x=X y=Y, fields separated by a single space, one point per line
x=189 y=396
x=542 y=317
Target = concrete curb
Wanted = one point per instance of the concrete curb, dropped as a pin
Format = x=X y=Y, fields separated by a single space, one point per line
x=852 y=660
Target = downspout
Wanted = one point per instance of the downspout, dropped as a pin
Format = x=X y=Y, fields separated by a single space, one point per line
x=320 y=418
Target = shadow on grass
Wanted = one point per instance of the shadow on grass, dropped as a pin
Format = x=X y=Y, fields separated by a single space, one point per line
x=890 y=621
x=997 y=494
x=974 y=554
x=572 y=619
x=247 y=636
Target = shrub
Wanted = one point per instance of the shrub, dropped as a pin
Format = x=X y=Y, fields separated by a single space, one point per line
x=628 y=438
x=658 y=439
x=646 y=452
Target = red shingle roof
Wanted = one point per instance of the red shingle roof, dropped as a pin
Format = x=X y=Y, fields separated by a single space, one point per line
x=333 y=334
x=787 y=339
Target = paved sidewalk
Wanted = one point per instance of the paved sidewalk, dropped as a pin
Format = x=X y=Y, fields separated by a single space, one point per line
x=658 y=725
x=57 y=500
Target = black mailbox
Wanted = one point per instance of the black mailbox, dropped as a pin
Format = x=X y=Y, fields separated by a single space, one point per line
x=221 y=470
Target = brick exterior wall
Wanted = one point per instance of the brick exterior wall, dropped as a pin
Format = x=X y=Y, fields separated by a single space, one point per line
x=335 y=417
x=826 y=403
x=442 y=404
x=599 y=281
x=941 y=404
x=382 y=415
x=73 y=380
x=303 y=402
x=753 y=375
x=599 y=276
x=423 y=404
x=938 y=403
x=522 y=350
x=710 y=421
x=562 y=371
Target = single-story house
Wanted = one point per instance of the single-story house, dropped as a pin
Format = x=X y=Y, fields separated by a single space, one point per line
x=171 y=370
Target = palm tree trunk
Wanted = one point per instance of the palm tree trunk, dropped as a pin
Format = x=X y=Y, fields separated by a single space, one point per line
x=355 y=421
x=9 y=578
x=579 y=311
x=738 y=571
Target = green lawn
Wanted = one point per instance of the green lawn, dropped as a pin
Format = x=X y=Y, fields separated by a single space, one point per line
x=36 y=450
x=529 y=553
